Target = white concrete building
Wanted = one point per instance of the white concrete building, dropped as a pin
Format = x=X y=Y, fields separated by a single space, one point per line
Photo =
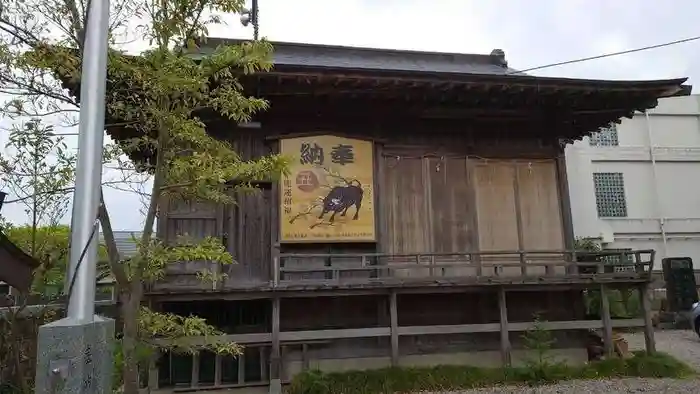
x=636 y=185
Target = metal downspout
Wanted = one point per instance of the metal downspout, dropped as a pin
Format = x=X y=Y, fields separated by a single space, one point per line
x=654 y=172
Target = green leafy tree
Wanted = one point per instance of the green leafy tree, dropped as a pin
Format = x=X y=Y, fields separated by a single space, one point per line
x=50 y=244
x=51 y=250
x=18 y=327
x=158 y=96
x=39 y=172
x=18 y=323
x=26 y=25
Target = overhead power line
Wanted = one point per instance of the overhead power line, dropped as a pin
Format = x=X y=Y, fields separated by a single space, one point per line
x=585 y=59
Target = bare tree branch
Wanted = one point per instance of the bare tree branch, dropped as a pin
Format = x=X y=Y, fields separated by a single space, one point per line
x=112 y=251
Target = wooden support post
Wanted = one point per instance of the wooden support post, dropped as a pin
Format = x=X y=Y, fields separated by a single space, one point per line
x=474 y=259
x=519 y=220
x=217 y=370
x=565 y=205
x=393 y=313
x=305 y=357
x=153 y=371
x=505 y=338
x=162 y=221
x=263 y=366
x=241 y=367
x=649 y=340
x=284 y=352
x=607 y=322
x=195 y=370
x=275 y=228
x=275 y=359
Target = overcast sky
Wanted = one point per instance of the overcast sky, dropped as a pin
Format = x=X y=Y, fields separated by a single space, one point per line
x=532 y=33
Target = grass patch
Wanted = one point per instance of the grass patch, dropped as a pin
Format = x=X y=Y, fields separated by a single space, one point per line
x=443 y=377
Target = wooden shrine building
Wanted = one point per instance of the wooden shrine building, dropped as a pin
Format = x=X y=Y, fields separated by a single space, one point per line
x=425 y=221
x=16 y=267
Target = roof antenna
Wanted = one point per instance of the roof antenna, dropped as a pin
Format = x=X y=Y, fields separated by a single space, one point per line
x=251 y=16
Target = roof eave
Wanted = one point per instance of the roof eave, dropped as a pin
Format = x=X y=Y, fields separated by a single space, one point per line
x=675 y=85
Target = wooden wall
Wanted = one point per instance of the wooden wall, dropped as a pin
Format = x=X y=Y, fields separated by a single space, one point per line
x=464 y=203
x=518 y=207
x=244 y=227
x=435 y=195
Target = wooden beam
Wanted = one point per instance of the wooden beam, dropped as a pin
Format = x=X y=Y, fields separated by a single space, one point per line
x=222 y=233
x=427 y=231
x=364 y=286
x=649 y=340
x=607 y=324
x=263 y=367
x=217 y=370
x=163 y=215
x=430 y=288
x=316 y=335
x=380 y=213
x=361 y=136
x=241 y=368
x=474 y=218
x=313 y=78
x=565 y=204
x=519 y=219
x=236 y=228
x=275 y=229
x=153 y=371
x=195 y=370
x=305 y=356
x=449 y=329
x=310 y=336
x=393 y=312
x=505 y=337
x=284 y=355
x=275 y=360
x=565 y=200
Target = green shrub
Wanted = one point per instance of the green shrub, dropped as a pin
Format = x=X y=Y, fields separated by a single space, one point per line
x=539 y=363
x=443 y=377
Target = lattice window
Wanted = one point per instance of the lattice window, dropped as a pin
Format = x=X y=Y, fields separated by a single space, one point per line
x=610 y=194
x=605 y=136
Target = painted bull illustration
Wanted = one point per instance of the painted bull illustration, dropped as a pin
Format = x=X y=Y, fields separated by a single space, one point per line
x=340 y=198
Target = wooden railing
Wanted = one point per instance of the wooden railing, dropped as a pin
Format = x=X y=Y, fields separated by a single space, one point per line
x=476 y=267
x=484 y=266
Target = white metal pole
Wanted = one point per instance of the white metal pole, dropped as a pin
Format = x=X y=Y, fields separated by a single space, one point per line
x=88 y=177
x=654 y=172
x=74 y=354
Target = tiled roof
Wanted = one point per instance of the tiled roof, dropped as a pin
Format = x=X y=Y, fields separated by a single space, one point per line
x=343 y=57
x=125 y=242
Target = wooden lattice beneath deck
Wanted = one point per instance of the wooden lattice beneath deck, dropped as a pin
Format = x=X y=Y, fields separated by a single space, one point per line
x=407 y=329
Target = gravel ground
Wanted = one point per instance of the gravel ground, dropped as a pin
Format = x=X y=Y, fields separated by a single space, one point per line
x=602 y=386
x=682 y=344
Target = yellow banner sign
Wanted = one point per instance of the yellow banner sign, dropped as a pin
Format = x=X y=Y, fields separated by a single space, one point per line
x=329 y=194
